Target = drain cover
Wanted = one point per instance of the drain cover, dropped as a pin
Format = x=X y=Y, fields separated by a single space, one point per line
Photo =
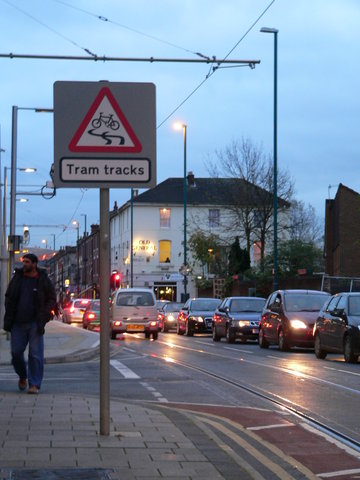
x=61 y=474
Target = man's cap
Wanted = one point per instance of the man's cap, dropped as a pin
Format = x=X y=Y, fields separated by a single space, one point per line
x=33 y=258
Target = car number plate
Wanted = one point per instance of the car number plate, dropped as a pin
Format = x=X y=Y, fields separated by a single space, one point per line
x=135 y=328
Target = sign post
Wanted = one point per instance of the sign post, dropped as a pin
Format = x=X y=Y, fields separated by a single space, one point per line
x=104 y=137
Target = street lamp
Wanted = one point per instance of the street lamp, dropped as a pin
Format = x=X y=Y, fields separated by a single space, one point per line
x=77 y=225
x=274 y=31
x=15 y=110
x=183 y=126
x=44 y=241
x=84 y=250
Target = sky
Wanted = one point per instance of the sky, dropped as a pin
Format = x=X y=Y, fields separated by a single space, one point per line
x=318 y=93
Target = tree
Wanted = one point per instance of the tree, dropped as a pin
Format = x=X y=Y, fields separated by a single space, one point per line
x=239 y=259
x=208 y=251
x=294 y=255
x=304 y=224
x=252 y=208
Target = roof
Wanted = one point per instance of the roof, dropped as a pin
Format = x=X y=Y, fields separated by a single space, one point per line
x=206 y=191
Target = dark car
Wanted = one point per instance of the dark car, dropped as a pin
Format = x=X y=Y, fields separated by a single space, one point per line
x=91 y=317
x=237 y=317
x=168 y=314
x=288 y=318
x=337 y=328
x=196 y=316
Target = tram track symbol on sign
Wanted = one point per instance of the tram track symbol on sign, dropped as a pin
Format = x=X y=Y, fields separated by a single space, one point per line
x=105 y=128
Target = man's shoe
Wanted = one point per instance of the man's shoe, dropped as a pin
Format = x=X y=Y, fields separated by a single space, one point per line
x=33 y=389
x=22 y=384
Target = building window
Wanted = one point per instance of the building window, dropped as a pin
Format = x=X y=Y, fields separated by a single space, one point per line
x=214 y=217
x=165 y=217
x=164 y=251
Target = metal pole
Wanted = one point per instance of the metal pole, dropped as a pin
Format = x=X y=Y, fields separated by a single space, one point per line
x=13 y=184
x=276 y=283
x=185 y=206
x=132 y=239
x=77 y=260
x=104 y=312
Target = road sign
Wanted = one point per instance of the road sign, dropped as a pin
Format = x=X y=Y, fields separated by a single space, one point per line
x=104 y=135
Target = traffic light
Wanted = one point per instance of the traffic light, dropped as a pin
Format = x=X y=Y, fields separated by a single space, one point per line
x=115 y=280
x=26 y=235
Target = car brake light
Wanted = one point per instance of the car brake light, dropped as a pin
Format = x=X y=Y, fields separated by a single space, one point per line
x=117 y=323
x=153 y=324
x=160 y=316
x=72 y=309
x=91 y=315
x=84 y=302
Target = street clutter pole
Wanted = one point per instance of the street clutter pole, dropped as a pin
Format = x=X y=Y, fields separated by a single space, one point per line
x=13 y=185
x=104 y=313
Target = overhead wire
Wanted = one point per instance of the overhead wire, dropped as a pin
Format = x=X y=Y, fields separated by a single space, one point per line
x=216 y=68
x=131 y=29
x=43 y=24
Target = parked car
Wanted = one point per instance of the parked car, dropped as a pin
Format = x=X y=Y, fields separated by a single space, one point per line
x=237 y=317
x=134 y=310
x=91 y=317
x=74 y=310
x=196 y=316
x=337 y=328
x=288 y=318
x=168 y=315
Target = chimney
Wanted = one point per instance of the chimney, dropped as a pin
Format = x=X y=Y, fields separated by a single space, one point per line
x=191 y=179
x=94 y=228
x=115 y=206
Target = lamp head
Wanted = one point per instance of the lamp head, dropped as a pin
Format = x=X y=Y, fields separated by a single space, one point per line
x=268 y=30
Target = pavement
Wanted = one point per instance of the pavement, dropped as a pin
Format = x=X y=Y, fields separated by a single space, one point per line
x=56 y=437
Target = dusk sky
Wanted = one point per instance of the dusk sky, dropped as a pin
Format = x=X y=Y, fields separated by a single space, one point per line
x=318 y=93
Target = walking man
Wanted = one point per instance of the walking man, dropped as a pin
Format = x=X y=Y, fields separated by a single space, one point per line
x=29 y=299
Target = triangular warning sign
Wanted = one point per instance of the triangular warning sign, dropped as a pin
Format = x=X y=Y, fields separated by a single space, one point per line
x=105 y=128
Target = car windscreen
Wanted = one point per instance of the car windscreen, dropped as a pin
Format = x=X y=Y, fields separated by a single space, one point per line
x=244 y=305
x=304 y=302
x=205 y=305
x=172 y=307
x=81 y=303
x=354 y=305
x=139 y=299
x=95 y=305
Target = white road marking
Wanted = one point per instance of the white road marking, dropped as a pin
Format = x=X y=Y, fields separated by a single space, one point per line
x=339 y=473
x=238 y=350
x=277 y=425
x=123 y=369
x=344 y=371
x=153 y=392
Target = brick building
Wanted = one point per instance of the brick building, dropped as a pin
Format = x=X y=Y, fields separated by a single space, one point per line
x=342 y=233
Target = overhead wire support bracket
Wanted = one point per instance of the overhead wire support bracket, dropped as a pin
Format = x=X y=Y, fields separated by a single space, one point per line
x=104 y=58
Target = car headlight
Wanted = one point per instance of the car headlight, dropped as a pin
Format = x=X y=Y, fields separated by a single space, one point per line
x=243 y=323
x=298 y=324
x=200 y=319
x=170 y=318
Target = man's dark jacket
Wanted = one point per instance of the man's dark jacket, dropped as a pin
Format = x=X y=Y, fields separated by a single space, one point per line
x=45 y=300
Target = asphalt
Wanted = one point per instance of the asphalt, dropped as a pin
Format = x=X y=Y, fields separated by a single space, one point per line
x=56 y=437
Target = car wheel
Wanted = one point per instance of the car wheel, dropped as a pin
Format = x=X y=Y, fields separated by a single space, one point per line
x=215 y=336
x=178 y=331
x=188 y=330
x=319 y=352
x=155 y=335
x=263 y=343
x=230 y=335
x=147 y=334
x=113 y=335
x=349 y=355
x=283 y=344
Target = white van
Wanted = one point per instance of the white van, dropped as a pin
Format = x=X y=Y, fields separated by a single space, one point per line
x=133 y=310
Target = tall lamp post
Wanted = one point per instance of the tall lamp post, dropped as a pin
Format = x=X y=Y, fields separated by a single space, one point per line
x=15 y=110
x=274 y=31
x=77 y=225
x=183 y=126
x=85 y=250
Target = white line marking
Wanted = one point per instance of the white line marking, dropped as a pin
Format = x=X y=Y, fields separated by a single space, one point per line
x=278 y=425
x=334 y=441
x=339 y=473
x=344 y=371
x=129 y=350
x=204 y=343
x=123 y=369
x=238 y=350
x=157 y=394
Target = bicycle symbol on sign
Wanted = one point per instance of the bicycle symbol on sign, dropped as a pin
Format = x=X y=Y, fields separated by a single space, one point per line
x=106 y=120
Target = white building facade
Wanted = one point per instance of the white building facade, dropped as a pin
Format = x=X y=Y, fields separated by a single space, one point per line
x=157 y=220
